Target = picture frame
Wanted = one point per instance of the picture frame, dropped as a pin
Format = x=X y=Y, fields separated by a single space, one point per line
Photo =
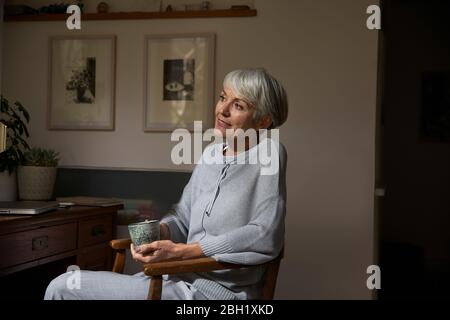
x=81 y=82
x=178 y=81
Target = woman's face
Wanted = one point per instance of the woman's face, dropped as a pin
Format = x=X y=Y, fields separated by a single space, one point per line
x=234 y=113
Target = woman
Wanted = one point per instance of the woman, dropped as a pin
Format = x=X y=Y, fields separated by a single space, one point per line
x=229 y=210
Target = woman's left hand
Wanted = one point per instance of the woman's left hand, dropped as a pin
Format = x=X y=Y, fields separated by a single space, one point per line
x=164 y=250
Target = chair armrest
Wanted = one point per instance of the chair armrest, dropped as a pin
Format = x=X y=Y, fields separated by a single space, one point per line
x=120 y=244
x=188 y=266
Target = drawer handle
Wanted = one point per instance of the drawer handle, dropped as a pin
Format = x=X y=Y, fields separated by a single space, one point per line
x=98 y=230
x=39 y=243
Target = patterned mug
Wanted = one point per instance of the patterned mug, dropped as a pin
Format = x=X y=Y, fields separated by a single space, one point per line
x=144 y=232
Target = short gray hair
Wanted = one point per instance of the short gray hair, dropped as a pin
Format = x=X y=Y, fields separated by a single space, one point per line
x=262 y=90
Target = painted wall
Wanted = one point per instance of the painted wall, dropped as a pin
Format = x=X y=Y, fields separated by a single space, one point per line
x=1 y=40
x=327 y=60
x=416 y=167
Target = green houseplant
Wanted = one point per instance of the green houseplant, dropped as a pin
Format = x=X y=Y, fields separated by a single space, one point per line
x=16 y=118
x=37 y=174
x=39 y=157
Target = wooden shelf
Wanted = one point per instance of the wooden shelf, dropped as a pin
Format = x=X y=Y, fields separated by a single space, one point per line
x=137 y=15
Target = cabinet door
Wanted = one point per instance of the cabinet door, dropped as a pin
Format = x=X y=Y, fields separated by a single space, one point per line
x=96 y=258
x=31 y=245
x=95 y=231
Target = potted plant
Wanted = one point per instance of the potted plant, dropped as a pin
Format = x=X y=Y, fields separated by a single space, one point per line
x=15 y=117
x=37 y=174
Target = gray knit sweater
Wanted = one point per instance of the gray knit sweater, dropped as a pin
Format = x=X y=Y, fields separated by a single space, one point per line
x=236 y=214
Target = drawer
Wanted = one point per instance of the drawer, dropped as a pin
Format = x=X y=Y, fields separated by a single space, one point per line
x=34 y=244
x=94 y=231
x=96 y=258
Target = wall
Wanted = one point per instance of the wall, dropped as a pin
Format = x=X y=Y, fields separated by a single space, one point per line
x=327 y=60
x=414 y=167
x=166 y=187
x=1 y=41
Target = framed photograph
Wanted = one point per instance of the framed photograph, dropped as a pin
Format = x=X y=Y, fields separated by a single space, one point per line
x=178 y=81
x=81 y=83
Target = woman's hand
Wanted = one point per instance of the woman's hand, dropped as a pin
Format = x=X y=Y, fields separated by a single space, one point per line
x=165 y=250
x=164 y=231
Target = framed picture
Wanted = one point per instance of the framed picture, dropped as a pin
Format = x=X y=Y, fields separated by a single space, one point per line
x=81 y=83
x=178 y=81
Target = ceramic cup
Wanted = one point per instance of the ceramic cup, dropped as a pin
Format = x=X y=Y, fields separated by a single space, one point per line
x=144 y=232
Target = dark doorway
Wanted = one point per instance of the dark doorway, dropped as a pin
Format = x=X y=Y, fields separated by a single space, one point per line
x=414 y=163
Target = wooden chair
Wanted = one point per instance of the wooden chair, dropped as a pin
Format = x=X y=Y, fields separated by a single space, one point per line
x=156 y=270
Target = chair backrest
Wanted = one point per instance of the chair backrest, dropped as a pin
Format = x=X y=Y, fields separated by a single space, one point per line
x=270 y=277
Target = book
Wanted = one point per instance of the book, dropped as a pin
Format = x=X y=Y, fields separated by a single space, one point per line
x=90 y=201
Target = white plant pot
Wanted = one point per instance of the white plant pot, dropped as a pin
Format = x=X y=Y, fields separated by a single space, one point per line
x=8 y=186
x=36 y=183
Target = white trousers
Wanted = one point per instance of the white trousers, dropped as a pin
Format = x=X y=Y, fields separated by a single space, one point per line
x=104 y=285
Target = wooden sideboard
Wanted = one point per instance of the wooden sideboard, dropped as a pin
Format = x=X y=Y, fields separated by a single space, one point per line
x=78 y=235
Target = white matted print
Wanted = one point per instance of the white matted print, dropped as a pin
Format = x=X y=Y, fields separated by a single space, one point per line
x=178 y=81
x=82 y=78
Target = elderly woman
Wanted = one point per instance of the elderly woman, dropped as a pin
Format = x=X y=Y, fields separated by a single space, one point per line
x=229 y=210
